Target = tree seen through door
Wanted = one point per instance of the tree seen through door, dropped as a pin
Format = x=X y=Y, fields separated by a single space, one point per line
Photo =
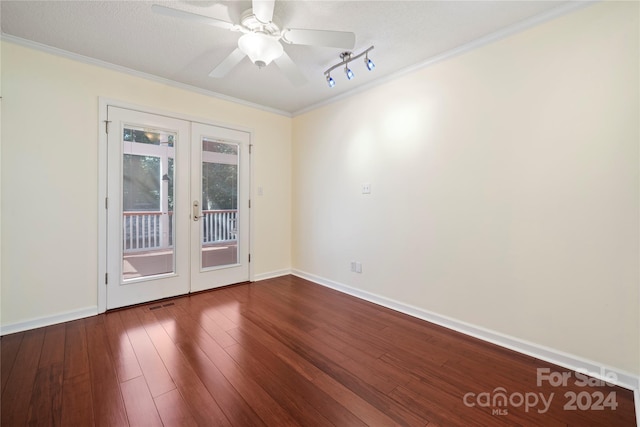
x=219 y=203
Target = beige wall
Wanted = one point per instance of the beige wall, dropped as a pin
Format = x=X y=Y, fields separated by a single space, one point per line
x=504 y=187
x=50 y=179
x=504 y=184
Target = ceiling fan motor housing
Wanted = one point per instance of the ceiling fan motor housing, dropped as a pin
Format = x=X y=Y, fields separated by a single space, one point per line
x=253 y=24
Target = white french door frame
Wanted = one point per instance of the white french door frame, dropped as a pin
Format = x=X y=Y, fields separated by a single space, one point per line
x=103 y=104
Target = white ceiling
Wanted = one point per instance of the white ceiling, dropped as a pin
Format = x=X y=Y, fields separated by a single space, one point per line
x=128 y=34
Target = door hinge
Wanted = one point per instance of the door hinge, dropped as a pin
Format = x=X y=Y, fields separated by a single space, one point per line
x=249 y=257
x=106 y=126
x=249 y=203
x=106 y=278
x=250 y=146
x=106 y=203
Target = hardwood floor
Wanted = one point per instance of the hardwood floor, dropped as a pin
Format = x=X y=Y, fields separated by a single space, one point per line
x=283 y=352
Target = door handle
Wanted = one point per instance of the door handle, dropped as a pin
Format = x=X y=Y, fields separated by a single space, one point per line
x=196 y=210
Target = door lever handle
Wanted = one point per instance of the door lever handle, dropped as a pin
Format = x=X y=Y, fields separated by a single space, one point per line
x=196 y=210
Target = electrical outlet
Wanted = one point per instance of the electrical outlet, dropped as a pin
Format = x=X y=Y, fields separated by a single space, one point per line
x=366 y=188
x=353 y=266
x=358 y=267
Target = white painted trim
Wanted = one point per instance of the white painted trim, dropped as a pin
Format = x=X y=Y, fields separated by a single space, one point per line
x=40 y=322
x=102 y=211
x=252 y=217
x=92 y=61
x=467 y=47
x=271 y=275
x=557 y=357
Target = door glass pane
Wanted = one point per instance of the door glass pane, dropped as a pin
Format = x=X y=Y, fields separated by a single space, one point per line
x=219 y=225
x=147 y=203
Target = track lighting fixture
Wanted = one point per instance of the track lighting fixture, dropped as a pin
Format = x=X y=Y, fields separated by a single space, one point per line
x=345 y=58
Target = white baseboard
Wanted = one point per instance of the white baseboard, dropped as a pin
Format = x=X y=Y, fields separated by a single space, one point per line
x=48 y=320
x=271 y=275
x=557 y=357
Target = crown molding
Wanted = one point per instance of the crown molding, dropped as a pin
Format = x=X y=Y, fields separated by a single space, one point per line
x=541 y=18
x=104 y=64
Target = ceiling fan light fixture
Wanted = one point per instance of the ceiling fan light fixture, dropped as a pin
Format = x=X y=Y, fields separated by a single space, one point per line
x=260 y=48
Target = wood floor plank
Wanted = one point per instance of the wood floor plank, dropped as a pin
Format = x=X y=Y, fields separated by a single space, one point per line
x=212 y=310
x=299 y=396
x=8 y=352
x=358 y=406
x=108 y=405
x=202 y=407
x=208 y=319
x=227 y=307
x=155 y=372
x=287 y=405
x=398 y=413
x=369 y=413
x=53 y=346
x=430 y=411
x=76 y=359
x=174 y=411
x=124 y=358
x=326 y=359
x=17 y=394
x=299 y=340
x=288 y=355
x=217 y=371
x=77 y=394
x=331 y=307
x=372 y=376
x=77 y=401
x=141 y=409
x=223 y=372
x=45 y=408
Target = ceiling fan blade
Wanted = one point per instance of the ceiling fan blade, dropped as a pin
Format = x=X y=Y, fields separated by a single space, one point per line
x=290 y=69
x=194 y=17
x=229 y=62
x=263 y=10
x=339 y=39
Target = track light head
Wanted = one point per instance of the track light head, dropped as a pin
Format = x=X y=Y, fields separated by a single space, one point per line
x=330 y=81
x=348 y=72
x=369 y=63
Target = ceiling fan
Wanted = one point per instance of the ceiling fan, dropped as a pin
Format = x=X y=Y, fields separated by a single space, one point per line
x=262 y=39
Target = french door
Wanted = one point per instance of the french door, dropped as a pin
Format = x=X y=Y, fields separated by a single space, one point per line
x=178 y=199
